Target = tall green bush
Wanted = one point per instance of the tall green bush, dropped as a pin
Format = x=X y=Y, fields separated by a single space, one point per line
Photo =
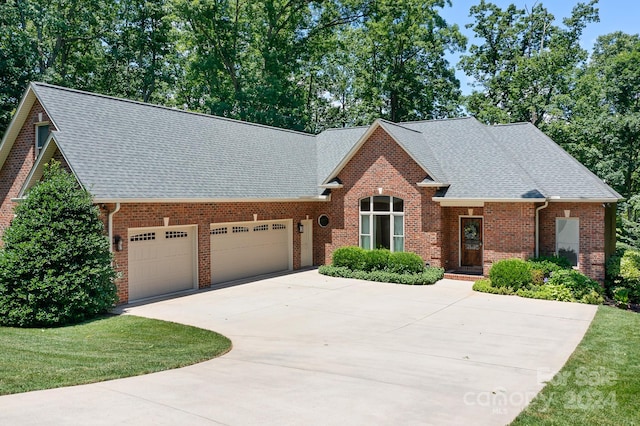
x=514 y=273
x=402 y=262
x=55 y=268
x=352 y=257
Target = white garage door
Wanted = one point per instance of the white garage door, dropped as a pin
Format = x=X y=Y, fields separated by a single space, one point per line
x=161 y=260
x=245 y=249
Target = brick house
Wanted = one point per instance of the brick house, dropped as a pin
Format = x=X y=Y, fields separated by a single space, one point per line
x=191 y=200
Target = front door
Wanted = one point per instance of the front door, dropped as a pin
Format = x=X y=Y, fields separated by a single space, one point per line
x=471 y=244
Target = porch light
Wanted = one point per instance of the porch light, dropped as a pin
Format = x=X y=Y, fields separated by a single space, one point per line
x=117 y=242
x=300 y=227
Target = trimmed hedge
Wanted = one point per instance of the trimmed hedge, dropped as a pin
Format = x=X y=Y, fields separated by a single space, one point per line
x=351 y=257
x=428 y=276
x=404 y=263
x=514 y=273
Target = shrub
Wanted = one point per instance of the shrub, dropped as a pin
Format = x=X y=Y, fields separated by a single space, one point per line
x=56 y=265
x=548 y=292
x=547 y=267
x=484 y=286
x=351 y=257
x=405 y=263
x=562 y=262
x=623 y=270
x=514 y=273
x=429 y=276
x=376 y=260
x=577 y=283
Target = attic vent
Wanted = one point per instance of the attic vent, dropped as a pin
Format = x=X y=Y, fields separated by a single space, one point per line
x=175 y=234
x=147 y=236
x=261 y=228
x=217 y=231
x=278 y=226
x=237 y=229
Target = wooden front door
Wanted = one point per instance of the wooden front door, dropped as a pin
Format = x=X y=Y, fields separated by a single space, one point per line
x=471 y=244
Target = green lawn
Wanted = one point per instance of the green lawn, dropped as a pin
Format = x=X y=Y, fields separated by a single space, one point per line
x=107 y=348
x=600 y=384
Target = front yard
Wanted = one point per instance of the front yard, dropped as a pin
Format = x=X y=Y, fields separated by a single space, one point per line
x=600 y=383
x=103 y=349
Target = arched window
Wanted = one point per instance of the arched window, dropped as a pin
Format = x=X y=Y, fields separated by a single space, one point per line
x=382 y=223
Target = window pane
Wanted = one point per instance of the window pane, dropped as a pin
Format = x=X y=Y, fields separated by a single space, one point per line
x=398 y=228
x=365 y=242
x=398 y=243
x=382 y=231
x=43 y=133
x=365 y=204
x=398 y=204
x=568 y=239
x=381 y=204
x=365 y=229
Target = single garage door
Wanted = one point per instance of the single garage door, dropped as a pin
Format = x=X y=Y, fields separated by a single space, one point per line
x=246 y=249
x=161 y=260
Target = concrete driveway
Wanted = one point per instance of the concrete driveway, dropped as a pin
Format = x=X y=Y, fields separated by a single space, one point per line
x=310 y=349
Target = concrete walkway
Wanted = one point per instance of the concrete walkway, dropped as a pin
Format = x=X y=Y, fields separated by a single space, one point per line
x=314 y=350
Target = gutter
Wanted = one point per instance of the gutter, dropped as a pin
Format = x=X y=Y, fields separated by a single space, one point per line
x=544 y=206
x=110 y=225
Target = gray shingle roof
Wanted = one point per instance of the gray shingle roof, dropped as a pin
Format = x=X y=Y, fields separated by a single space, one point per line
x=121 y=149
x=130 y=150
x=555 y=172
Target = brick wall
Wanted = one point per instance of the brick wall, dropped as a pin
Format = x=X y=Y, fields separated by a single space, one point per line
x=202 y=214
x=381 y=163
x=18 y=164
x=591 y=259
x=451 y=232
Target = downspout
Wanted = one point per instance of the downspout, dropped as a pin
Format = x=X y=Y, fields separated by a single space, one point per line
x=544 y=206
x=110 y=225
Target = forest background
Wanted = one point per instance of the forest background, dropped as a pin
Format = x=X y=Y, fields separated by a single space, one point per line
x=312 y=65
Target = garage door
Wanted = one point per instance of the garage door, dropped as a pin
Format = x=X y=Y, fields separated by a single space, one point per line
x=245 y=249
x=161 y=260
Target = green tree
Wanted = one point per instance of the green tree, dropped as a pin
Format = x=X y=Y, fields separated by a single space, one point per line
x=55 y=267
x=524 y=62
x=140 y=59
x=395 y=56
x=598 y=121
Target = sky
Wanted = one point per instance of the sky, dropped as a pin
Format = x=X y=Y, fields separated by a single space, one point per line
x=615 y=15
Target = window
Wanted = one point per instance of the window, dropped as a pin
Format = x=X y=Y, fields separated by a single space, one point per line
x=568 y=239
x=382 y=223
x=42 y=133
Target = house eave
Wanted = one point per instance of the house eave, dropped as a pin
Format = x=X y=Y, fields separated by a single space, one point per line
x=480 y=202
x=110 y=200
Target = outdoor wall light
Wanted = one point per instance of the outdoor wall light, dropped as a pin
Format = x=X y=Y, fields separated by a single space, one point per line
x=300 y=227
x=117 y=242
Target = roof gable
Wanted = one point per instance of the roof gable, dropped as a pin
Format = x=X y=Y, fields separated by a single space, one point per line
x=409 y=140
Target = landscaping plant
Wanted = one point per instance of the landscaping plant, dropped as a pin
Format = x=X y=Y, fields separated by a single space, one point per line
x=381 y=265
x=55 y=268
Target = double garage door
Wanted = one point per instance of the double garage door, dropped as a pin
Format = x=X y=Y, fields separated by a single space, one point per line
x=163 y=260
x=246 y=249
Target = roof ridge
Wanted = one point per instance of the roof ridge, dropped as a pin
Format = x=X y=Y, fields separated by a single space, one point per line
x=147 y=104
x=381 y=120
x=433 y=120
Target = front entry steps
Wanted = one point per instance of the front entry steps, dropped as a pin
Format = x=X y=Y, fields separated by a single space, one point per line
x=464 y=274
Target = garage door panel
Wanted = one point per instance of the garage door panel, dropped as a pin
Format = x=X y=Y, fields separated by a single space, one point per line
x=240 y=250
x=161 y=261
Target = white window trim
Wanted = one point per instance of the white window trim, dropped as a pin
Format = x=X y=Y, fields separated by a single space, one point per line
x=577 y=219
x=389 y=213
